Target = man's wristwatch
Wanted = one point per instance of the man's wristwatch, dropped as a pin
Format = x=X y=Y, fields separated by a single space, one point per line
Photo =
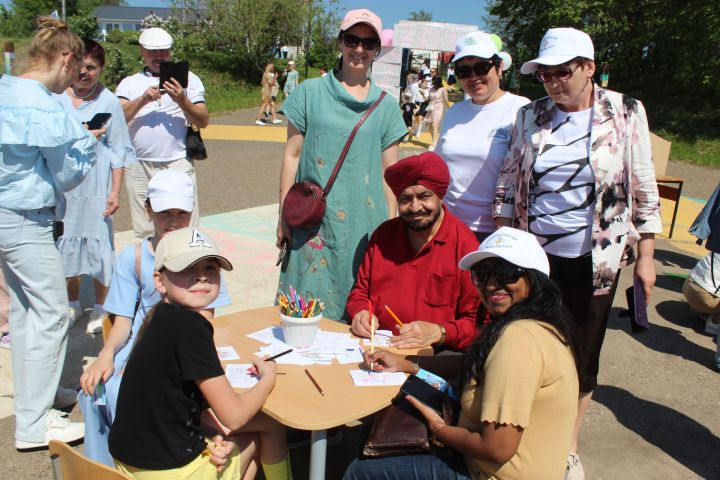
x=442 y=336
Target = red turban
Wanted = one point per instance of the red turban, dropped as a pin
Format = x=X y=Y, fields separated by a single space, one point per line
x=427 y=169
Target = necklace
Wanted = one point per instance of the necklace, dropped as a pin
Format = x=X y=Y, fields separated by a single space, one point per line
x=72 y=91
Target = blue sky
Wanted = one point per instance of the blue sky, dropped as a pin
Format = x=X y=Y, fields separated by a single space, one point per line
x=390 y=11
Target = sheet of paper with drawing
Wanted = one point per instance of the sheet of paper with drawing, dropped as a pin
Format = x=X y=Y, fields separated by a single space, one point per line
x=238 y=376
x=382 y=338
x=227 y=353
x=365 y=378
x=326 y=347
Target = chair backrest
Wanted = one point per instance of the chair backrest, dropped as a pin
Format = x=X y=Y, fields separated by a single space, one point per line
x=67 y=464
x=106 y=326
x=661 y=153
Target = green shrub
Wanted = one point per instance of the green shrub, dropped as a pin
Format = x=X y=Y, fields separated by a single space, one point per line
x=117 y=67
x=128 y=37
x=85 y=26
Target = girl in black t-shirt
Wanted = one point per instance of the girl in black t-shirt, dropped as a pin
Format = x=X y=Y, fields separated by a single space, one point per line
x=173 y=373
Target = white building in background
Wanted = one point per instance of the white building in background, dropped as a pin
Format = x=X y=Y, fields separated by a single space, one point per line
x=111 y=17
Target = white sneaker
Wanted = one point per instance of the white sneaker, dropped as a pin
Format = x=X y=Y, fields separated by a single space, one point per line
x=65 y=397
x=95 y=322
x=574 y=470
x=59 y=427
x=74 y=314
x=260 y=122
x=276 y=121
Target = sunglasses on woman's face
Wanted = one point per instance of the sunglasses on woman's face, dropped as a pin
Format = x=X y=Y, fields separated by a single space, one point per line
x=504 y=272
x=560 y=74
x=352 y=41
x=479 y=69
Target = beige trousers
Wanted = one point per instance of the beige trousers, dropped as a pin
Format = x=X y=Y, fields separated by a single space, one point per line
x=137 y=176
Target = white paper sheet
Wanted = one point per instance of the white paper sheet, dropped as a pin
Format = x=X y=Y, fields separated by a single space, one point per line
x=227 y=353
x=365 y=378
x=238 y=376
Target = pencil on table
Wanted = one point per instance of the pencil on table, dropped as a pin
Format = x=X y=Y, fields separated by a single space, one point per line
x=312 y=379
x=372 y=332
x=392 y=314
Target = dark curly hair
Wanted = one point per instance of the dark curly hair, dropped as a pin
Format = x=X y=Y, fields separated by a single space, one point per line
x=544 y=303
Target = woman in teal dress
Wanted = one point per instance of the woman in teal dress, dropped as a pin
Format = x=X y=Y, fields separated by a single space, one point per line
x=321 y=113
x=87 y=243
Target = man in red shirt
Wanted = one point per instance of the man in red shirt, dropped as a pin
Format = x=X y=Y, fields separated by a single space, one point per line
x=411 y=265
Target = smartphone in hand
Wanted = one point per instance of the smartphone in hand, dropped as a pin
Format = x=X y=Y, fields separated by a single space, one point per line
x=98 y=121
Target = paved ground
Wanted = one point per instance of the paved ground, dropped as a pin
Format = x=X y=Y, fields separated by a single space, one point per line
x=655 y=411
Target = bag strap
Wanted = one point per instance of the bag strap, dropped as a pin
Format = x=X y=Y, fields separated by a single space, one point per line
x=138 y=272
x=350 y=139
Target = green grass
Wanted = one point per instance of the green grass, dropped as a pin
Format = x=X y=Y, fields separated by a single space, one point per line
x=699 y=151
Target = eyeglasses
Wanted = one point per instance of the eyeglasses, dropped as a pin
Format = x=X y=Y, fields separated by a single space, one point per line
x=479 y=68
x=351 y=41
x=504 y=272
x=562 y=74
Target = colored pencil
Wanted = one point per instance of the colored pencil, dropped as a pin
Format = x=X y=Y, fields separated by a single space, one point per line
x=312 y=379
x=372 y=332
x=392 y=314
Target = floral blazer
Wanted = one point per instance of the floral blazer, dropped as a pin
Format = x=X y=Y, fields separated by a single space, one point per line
x=626 y=195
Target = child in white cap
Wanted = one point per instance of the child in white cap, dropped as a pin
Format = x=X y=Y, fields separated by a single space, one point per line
x=174 y=369
x=131 y=294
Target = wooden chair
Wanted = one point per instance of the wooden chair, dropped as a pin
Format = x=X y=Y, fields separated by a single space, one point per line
x=661 y=154
x=106 y=326
x=67 y=464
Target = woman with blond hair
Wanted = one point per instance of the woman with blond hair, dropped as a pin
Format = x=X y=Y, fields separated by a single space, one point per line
x=45 y=152
x=267 y=84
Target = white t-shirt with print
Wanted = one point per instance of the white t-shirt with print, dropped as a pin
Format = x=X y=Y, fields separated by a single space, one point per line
x=473 y=142
x=562 y=188
x=159 y=129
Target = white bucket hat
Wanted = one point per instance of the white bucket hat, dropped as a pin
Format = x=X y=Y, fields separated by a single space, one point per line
x=560 y=45
x=516 y=246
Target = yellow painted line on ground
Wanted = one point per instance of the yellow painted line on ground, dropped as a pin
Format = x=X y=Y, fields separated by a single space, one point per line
x=687 y=212
x=276 y=133
x=253 y=133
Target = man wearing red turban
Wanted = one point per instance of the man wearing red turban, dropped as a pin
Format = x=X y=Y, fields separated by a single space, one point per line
x=411 y=263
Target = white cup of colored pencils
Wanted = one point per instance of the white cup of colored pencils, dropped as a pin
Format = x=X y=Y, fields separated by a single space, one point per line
x=300 y=318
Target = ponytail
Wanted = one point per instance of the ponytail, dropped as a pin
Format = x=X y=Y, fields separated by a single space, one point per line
x=53 y=38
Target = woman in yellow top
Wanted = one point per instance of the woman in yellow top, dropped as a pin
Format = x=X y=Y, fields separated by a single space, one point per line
x=517 y=383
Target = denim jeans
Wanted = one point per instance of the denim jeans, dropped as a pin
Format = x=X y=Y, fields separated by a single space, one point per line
x=409 y=467
x=39 y=316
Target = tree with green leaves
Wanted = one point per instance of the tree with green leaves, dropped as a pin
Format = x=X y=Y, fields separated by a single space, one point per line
x=664 y=52
x=420 y=16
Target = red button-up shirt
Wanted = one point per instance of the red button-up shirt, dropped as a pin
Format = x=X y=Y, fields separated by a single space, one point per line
x=427 y=285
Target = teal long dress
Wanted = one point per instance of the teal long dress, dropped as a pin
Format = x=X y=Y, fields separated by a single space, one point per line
x=324 y=261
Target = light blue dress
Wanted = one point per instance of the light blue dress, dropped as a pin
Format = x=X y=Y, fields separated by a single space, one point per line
x=87 y=244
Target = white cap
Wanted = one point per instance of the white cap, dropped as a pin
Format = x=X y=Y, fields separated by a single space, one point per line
x=155 y=39
x=506 y=59
x=184 y=247
x=516 y=246
x=171 y=189
x=475 y=44
x=560 y=45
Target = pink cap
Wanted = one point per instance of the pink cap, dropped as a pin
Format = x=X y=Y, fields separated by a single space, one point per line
x=362 y=15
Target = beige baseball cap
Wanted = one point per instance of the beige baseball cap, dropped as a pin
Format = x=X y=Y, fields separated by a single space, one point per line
x=182 y=248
